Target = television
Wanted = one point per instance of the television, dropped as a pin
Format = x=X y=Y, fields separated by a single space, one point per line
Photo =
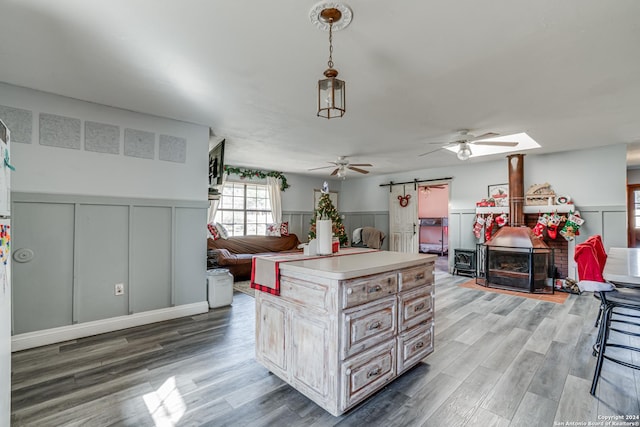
x=216 y=169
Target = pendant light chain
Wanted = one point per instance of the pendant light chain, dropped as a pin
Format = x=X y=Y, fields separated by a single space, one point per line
x=330 y=62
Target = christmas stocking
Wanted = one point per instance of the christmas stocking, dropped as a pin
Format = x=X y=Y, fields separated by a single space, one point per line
x=571 y=227
x=488 y=228
x=552 y=225
x=477 y=226
x=501 y=219
x=542 y=223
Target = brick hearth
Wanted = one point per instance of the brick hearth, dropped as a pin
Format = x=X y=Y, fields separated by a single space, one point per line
x=559 y=245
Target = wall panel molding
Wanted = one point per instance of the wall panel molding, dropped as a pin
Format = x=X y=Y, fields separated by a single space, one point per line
x=165 y=265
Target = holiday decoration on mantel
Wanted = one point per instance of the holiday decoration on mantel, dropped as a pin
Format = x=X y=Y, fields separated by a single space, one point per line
x=326 y=210
x=540 y=194
x=250 y=173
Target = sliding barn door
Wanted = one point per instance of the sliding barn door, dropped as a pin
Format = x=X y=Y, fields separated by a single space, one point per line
x=403 y=220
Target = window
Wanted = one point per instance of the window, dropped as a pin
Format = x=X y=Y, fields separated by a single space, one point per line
x=245 y=209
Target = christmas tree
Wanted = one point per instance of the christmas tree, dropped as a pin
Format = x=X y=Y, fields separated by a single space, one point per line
x=326 y=210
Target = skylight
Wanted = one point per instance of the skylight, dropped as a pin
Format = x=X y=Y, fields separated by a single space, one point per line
x=525 y=142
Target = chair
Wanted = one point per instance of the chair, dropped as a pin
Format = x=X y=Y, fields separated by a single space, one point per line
x=367 y=237
x=590 y=275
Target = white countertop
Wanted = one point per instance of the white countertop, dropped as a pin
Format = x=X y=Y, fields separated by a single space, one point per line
x=623 y=266
x=356 y=265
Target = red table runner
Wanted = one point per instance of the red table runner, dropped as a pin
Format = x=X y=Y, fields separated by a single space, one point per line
x=265 y=269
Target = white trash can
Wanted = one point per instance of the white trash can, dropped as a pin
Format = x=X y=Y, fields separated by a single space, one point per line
x=220 y=284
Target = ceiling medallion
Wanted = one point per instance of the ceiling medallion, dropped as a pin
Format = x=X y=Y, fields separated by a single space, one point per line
x=315 y=15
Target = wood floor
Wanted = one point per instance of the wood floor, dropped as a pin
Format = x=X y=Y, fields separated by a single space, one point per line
x=499 y=360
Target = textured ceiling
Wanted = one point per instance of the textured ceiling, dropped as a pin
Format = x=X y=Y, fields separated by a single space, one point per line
x=566 y=72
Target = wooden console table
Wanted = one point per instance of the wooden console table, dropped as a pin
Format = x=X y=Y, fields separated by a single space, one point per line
x=344 y=327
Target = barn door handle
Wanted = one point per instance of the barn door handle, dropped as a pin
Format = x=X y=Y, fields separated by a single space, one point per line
x=414 y=228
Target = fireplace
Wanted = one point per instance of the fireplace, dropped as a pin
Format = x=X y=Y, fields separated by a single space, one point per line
x=517 y=269
x=514 y=258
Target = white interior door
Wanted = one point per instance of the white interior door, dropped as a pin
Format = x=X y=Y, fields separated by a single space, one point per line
x=403 y=219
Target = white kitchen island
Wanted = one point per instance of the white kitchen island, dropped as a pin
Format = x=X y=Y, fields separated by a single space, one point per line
x=345 y=326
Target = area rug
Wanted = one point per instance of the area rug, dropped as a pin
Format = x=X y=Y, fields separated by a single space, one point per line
x=557 y=297
x=244 y=286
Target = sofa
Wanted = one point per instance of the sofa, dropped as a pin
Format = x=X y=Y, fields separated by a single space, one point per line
x=236 y=253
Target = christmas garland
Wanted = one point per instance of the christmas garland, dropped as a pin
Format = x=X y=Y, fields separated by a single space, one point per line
x=250 y=173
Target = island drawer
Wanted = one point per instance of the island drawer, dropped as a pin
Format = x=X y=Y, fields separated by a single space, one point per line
x=414 y=345
x=415 y=307
x=413 y=277
x=367 y=289
x=367 y=326
x=366 y=373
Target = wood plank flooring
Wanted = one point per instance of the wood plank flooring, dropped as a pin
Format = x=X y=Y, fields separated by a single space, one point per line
x=499 y=360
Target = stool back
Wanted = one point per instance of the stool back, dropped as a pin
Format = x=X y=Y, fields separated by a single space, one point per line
x=588 y=266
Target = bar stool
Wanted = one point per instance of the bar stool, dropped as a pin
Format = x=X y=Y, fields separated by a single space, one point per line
x=611 y=297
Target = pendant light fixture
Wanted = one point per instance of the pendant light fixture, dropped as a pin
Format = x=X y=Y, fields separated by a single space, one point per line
x=331 y=90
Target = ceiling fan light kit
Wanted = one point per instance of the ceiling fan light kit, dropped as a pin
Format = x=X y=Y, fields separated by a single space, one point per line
x=331 y=90
x=464 y=152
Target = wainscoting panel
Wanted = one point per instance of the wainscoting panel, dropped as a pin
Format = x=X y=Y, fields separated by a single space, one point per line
x=83 y=245
x=190 y=256
x=299 y=223
x=42 y=270
x=102 y=260
x=150 y=258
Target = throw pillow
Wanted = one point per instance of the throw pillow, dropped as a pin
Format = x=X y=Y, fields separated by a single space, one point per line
x=273 y=229
x=215 y=235
x=222 y=231
x=284 y=228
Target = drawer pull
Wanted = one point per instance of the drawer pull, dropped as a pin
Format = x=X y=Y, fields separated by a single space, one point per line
x=374 y=372
x=419 y=307
x=419 y=276
x=418 y=346
x=349 y=291
x=374 y=325
x=375 y=289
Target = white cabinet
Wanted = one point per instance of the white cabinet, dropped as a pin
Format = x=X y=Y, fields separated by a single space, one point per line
x=339 y=340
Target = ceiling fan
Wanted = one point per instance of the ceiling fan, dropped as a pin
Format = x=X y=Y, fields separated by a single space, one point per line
x=341 y=166
x=464 y=140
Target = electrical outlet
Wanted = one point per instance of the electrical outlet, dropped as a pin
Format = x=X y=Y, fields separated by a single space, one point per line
x=119 y=288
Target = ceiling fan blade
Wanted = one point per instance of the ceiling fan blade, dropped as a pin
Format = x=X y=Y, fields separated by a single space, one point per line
x=429 y=152
x=335 y=171
x=496 y=143
x=360 y=164
x=445 y=146
x=322 y=167
x=357 y=169
x=485 y=136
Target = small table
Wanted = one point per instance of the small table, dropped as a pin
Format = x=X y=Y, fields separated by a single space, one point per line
x=623 y=266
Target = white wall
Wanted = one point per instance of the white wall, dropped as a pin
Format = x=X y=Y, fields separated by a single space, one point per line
x=299 y=197
x=594 y=177
x=46 y=169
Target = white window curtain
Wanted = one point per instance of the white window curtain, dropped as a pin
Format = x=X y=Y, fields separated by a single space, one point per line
x=213 y=205
x=273 y=186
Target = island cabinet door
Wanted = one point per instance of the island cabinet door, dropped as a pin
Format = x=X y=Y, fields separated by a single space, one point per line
x=415 y=345
x=270 y=335
x=366 y=373
x=313 y=354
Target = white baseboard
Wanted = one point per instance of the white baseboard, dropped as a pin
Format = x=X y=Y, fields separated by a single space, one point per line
x=71 y=332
